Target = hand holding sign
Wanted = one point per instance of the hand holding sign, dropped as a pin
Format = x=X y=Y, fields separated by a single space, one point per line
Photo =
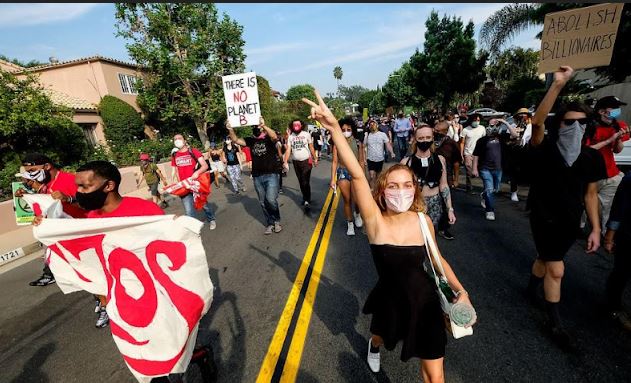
x=563 y=75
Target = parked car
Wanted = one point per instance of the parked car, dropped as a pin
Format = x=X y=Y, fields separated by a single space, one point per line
x=623 y=159
x=488 y=113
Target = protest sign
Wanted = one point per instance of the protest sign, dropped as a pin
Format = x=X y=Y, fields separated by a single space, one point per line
x=45 y=205
x=241 y=92
x=580 y=38
x=154 y=273
x=23 y=213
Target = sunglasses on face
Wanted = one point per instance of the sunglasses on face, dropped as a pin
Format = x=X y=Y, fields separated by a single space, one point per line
x=570 y=121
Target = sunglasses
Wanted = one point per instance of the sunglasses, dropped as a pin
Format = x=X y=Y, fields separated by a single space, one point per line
x=570 y=121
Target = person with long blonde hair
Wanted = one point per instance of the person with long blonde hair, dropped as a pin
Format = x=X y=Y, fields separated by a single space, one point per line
x=404 y=303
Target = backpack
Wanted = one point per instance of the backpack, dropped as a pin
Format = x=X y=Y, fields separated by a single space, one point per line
x=190 y=151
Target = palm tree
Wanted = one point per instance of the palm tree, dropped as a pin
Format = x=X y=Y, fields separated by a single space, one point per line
x=506 y=23
x=337 y=73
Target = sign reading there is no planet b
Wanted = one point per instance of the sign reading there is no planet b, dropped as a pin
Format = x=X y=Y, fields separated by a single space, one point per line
x=242 y=99
x=580 y=38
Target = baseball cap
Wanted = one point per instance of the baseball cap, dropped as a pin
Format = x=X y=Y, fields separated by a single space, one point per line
x=608 y=102
x=32 y=159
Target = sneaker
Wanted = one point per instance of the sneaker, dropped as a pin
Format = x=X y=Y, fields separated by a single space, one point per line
x=513 y=197
x=44 y=280
x=445 y=234
x=280 y=191
x=212 y=225
x=269 y=229
x=351 y=228
x=243 y=189
x=622 y=319
x=490 y=216
x=358 y=220
x=306 y=204
x=103 y=320
x=97 y=308
x=277 y=227
x=482 y=201
x=373 y=358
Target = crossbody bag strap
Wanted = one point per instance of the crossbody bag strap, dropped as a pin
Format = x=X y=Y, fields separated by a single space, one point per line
x=431 y=248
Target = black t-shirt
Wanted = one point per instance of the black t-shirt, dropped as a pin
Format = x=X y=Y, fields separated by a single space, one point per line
x=430 y=173
x=489 y=151
x=231 y=155
x=264 y=156
x=556 y=190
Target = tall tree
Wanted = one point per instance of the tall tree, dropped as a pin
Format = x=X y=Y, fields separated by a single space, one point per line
x=351 y=93
x=337 y=73
x=398 y=91
x=449 y=63
x=512 y=63
x=184 y=49
x=503 y=25
x=294 y=98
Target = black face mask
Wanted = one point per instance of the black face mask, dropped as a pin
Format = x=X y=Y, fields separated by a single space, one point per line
x=423 y=145
x=93 y=200
x=256 y=131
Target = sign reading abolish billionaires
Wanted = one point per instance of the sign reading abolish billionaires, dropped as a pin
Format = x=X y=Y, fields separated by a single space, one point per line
x=580 y=38
x=242 y=99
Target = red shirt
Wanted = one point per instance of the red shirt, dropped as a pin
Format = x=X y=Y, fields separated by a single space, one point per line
x=603 y=133
x=129 y=207
x=64 y=183
x=185 y=162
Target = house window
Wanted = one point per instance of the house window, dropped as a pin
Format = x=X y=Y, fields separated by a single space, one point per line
x=89 y=131
x=128 y=83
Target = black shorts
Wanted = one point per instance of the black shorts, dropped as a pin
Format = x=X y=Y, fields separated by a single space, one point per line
x=553 y=239
x=375 y=166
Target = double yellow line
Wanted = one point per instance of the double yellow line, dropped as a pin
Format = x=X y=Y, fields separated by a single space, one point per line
x=287 y=345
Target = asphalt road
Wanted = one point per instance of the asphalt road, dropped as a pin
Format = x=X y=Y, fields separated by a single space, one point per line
x=46 y=336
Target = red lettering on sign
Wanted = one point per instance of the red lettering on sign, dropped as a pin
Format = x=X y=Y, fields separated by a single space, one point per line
x=137 y=312
x=241 y=96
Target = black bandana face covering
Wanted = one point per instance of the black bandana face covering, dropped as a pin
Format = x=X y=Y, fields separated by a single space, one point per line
x=93 y=200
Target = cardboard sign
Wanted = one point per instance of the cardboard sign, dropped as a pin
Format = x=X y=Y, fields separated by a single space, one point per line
x=154 y=273
x=23 y=213
x=242 y=99
x=580 y=38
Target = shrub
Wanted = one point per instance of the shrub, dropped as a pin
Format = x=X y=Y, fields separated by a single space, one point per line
x=123 y=123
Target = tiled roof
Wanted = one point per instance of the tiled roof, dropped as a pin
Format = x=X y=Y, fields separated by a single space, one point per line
x=81 y=60
x=14 y=67
x=63 y=99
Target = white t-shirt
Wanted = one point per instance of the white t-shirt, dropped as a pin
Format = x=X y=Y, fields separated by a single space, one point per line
x=471 y=136
x=300 y=146
x=375 y=144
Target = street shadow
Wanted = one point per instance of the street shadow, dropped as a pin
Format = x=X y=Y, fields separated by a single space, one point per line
x=31 y=371
x=250 y=205
x=336 y=307
x=230 y=363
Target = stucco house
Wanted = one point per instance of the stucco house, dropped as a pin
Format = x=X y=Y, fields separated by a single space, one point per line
x=80 y=84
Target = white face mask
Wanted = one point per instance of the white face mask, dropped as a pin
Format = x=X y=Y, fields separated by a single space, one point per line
x=399 y=200
x=38 y=175
x=347 y=134
x=179 y=143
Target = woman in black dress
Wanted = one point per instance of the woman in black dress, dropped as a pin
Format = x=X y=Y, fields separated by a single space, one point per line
x=404 y=304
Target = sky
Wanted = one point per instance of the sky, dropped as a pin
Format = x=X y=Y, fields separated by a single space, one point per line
x=288 y=44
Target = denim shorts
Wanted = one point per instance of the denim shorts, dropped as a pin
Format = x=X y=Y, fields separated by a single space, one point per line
x=342 y=174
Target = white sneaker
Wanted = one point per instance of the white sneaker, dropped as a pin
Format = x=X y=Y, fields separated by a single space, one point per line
x=482 y=202
x=490 y=216
x=374 y=359
x=351 y=228
x=358 y=220
x=212 y=225
x=103 y=319
x=513 y=197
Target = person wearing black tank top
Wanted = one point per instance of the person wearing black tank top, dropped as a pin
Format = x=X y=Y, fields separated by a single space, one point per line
x=430 y=170
x=404 y=303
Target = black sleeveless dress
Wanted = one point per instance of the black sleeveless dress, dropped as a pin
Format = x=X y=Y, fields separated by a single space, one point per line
x=404 y=304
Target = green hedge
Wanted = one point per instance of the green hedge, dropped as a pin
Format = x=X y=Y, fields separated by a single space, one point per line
x=123 y=123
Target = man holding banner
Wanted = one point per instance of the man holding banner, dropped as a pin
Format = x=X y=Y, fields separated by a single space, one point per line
x=266 y=166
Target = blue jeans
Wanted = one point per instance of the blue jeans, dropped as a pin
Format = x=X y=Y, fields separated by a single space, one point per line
x=189 y=207
x=266 y=186
x=491 y=180
x=402 y=146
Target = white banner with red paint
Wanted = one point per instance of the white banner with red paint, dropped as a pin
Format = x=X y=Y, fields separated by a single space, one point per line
x=154 y=273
